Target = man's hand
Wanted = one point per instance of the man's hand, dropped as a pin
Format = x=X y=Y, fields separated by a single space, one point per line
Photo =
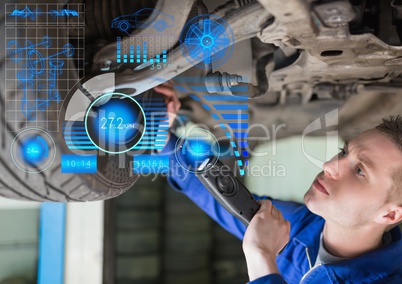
x=266 y=235
x=172 y=102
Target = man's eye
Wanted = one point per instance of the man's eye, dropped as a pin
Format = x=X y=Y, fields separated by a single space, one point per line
x=359 y=171
x=342 y=152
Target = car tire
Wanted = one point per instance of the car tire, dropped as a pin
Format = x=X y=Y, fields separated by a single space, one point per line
x=111 y=180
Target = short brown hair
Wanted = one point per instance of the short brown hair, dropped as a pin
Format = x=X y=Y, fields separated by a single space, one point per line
x=392 y=128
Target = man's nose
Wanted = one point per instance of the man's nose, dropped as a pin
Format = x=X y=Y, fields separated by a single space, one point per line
x=331 y=167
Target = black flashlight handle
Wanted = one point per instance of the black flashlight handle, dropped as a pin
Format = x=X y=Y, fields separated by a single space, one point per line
x=228 y=190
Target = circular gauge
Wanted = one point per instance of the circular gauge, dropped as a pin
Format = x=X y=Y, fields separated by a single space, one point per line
x=33 y=150
x=194 y=146
x=115 y=123
x=207 y=39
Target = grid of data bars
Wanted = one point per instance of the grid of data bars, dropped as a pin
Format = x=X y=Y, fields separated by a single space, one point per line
x=35 y=88
x=129 y=52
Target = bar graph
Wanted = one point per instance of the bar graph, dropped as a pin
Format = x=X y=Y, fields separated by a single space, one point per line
x=132 y=50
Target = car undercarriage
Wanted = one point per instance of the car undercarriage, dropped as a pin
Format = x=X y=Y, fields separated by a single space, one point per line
x=290 y=63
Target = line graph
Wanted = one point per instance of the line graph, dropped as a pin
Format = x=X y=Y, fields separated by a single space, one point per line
x=28 y=13
x=44 y=14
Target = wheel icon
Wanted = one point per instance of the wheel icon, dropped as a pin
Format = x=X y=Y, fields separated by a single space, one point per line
x=14 y=51
x=68 y=50
x=207 y=39
x=36 y=62
x=47 y=41
x=160 y=25
x=124 y=26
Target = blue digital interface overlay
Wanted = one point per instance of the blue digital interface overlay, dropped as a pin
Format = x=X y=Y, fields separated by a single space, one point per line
x=233 y=119
x=28 y=13
x=154 y=136
x=33 y=150
x=139 y=51
x=144 y=18
x=44 y=14
x=151 y=164
x=194 y=146
x=64 y=13
x=207 y=39
x=230 y=114
x=76 y=137
x=117 y=125
x=25 y=13
x=41 y=65
x=156 y=133
x=196 y=150
x=79 y=164
x=38 y=73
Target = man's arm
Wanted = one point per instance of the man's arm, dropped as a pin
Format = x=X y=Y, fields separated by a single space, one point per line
x=186 y=182
x=266 y=235
x=268 y=231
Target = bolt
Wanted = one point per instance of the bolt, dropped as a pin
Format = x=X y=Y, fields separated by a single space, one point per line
x=234 y=80
x=105 y=65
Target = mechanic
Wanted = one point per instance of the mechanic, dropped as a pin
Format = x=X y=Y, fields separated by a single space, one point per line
x=347 y=231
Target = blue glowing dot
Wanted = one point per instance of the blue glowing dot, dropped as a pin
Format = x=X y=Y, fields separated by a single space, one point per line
x=196 y=150
x=33 y=150
x=116 y=122
x=207 y=41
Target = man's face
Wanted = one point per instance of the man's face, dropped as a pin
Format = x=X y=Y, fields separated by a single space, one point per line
x=352 y=188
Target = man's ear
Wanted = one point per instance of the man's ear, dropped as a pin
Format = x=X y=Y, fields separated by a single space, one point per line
x=391 y=215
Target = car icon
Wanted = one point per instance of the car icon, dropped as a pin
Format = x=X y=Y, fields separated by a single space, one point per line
x=143 y=18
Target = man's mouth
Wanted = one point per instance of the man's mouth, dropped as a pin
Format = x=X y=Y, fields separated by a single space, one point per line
x=318 y=185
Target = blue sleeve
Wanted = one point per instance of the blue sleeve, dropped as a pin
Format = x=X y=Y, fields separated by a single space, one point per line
x=187 y=183
x=269 y=279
